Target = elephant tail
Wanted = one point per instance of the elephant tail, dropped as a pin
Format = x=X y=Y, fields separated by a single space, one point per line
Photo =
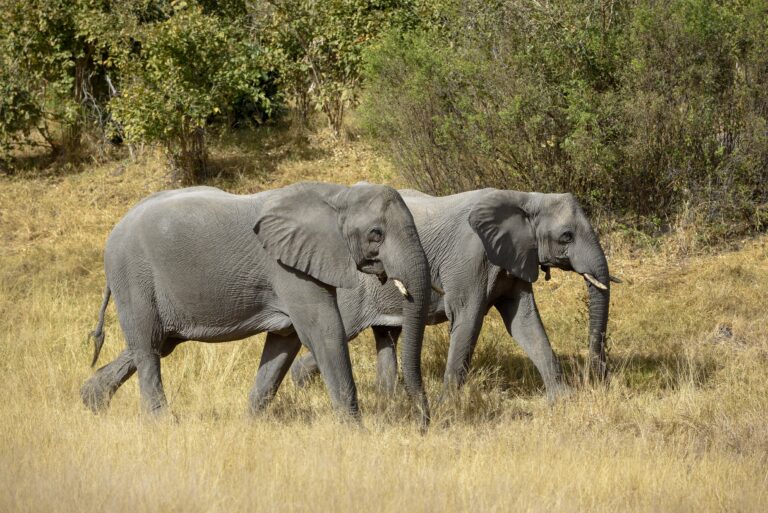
x=98 y=333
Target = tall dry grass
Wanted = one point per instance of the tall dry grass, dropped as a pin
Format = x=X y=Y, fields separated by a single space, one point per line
x=681 y=427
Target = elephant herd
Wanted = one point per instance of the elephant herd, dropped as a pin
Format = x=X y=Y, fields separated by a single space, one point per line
x=315 y=264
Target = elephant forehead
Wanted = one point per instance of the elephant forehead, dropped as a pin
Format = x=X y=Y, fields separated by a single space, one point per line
x=562 y=207
x=374 y=193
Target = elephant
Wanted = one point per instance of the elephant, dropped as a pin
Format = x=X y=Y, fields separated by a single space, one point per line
x=485 y=249
x=202 y=264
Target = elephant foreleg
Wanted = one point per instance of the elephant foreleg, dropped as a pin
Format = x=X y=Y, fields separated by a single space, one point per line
x=465 y=329
x=316 y=318
x=279 y=352
x=332 y=356
x=99 y=389
x=386 y=357
x=523 y=322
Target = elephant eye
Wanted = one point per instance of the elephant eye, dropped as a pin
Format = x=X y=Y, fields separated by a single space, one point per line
x=375 y=235
x=566 y=238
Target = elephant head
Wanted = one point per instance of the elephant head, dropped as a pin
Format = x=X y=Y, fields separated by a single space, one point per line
x=331 y=232
x=524 y=231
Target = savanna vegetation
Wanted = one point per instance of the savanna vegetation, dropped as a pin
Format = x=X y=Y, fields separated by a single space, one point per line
x=655 y=114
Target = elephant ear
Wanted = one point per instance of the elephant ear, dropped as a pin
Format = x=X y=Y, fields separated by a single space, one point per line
x=299 y=226
x=507 y=235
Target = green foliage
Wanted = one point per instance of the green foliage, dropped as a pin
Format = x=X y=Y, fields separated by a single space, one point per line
x=640 y=108
x=49 y=63
x=20 y=111
x=182 y=71
x=319 y=44
x=646 y=110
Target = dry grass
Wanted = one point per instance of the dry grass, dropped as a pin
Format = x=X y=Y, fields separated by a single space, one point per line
x=682 y=427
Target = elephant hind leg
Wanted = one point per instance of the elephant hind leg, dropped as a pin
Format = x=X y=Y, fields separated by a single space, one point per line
x=279 y=352
x=150 y=382
x=145 y=338
x=97 y=392
x=303 y=370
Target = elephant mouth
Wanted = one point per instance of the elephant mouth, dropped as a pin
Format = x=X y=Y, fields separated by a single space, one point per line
x=547 y=265
x=559 y=263
x=374 y=267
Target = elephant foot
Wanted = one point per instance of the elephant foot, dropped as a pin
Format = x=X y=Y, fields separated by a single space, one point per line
x=558 y=392
x=159 y=413
x=95 y=397
x=302 y=375
x=257 y=404
x=386 y=386
x=351 y=418
x=597 y=371
x=449 y=394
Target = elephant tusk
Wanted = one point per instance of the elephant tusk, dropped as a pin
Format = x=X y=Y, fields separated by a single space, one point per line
x=401 y=288
x=591 y=279
x=436 y=289
x=614 y=279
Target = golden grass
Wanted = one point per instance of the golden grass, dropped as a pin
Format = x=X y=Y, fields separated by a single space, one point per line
x=683 y=425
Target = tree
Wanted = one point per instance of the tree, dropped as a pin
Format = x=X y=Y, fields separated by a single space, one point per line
x=640 y=108
x=181 y=71
x=319 y=44
x=51 y=71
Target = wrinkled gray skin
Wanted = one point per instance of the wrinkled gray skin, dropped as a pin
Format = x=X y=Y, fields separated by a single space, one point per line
x=486 y=247
x=202 y=264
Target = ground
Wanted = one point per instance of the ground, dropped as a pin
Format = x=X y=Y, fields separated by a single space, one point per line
x=682 y=425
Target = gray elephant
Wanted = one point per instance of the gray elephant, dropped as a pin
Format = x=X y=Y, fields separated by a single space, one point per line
x=187 y=265
x=486 y=247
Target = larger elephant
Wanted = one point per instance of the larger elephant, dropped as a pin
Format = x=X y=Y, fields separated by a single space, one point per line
x=486 y=248
x=202 y=264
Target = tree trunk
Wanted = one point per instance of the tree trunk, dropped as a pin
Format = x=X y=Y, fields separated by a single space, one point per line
x=190 y=163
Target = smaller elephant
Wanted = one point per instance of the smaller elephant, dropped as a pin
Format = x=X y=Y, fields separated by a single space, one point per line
x=202 y=264
x=485 y=248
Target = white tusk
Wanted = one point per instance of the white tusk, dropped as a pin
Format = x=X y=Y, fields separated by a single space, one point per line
x=401 y=288
x=614 y=279
x=591 y=279
x=438 y=289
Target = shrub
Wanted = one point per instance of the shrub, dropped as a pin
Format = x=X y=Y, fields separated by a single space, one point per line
x=182 y=70
x=319 y=46
x=639 y=108
x=51 y=73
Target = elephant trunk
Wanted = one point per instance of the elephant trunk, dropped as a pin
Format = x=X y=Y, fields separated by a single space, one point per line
x=599 y=299
x=411 y=269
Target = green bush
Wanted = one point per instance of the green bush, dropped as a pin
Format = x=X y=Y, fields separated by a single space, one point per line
x=51 y=73
x=639 y=108
x=183 y=70
x=319 y=44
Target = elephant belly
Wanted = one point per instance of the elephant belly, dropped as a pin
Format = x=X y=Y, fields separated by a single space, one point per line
x=221 y=316
x=228 y=331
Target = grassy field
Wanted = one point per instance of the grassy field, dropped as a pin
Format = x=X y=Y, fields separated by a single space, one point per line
x=683 y=425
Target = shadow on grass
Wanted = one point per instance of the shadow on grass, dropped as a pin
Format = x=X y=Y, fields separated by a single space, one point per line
x=517 y=375
x=257 y=154
x=499 y=363
x=42 y=163
x=254 y=153
x=500 y=371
